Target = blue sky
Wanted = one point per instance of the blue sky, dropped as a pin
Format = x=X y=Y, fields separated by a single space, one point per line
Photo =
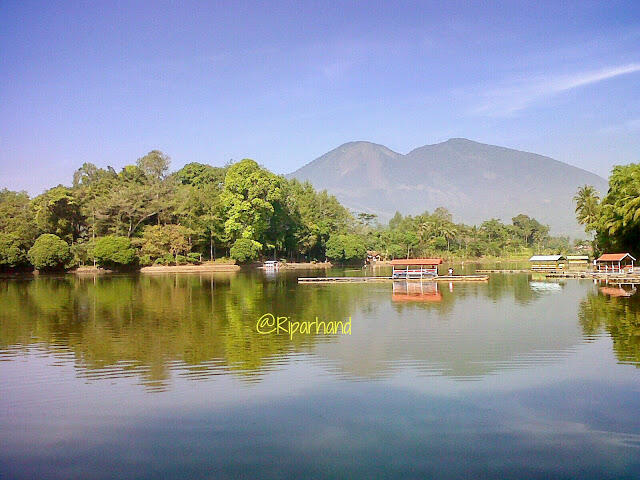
x=284 y=82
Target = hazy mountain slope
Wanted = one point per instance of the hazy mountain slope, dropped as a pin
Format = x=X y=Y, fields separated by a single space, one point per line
x=474 y=181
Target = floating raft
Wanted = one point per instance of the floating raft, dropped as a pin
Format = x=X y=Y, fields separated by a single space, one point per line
x=611 y=277
x=444 y=278
x=502 y=271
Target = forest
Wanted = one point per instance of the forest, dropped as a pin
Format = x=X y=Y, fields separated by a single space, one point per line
x=147 y=215
x=614 y=220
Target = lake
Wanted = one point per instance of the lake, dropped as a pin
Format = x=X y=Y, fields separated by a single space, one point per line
x=167 y=376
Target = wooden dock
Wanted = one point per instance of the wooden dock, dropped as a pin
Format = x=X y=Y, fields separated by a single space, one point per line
x=444 y=278
x=610 y=277
x=502 y=271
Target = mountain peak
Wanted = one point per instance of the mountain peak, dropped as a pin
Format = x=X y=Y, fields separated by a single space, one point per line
x=475 y=181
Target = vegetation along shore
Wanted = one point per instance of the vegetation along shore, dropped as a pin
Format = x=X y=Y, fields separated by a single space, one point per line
x=146 y=217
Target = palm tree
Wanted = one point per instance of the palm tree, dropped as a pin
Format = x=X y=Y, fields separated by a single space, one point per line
x=447 y=230
x=587 y=207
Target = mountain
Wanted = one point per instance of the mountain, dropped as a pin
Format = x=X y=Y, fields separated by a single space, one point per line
x=473 y=180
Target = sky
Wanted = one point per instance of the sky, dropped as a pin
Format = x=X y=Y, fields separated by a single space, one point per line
x=285 y=82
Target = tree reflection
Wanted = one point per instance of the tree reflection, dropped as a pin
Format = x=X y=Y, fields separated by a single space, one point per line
x=145 y=325
x=619 y=317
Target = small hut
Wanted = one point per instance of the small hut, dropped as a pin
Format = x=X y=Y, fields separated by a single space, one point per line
x=615 y=263
x=578 y=263
x=373 y=257
x=547 y=263
x=415 y=268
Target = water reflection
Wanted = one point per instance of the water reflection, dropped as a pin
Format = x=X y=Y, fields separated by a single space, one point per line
x=618 y=314
x=204 y=325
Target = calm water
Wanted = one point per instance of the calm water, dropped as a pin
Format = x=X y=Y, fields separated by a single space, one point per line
x=166 y=376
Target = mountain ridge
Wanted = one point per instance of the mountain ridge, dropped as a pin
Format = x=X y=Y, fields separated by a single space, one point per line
x=475 y=181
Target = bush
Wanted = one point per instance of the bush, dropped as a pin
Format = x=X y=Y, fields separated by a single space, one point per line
x=193 y=257
x=224 y=261
x=145 y=260
x=112 y=251
x=181 y=260
x=49 y=252
x=12 y=254
x=245 y=250
x=166 y=259
x=82 y=252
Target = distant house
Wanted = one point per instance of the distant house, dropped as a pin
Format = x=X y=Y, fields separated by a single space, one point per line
x=578 y=263
x=415 y=268
x=615 y=263
x=373 y=256
x=547 y=263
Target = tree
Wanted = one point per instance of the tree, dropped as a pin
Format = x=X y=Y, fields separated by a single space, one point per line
x=201 y=210
x=154 y=165
x=12 y=252
x=130 y=204
x=160 y=240
x=200 y=175
x=587 y=207
x=49 y=252
x=530 y=229
x=17 y=218
x=618 y=225
x=58 y=212
x=395 y=221
x=113 y=251
x=443 y=214
x=346 y=248
x=249 y=196
x=245 y=250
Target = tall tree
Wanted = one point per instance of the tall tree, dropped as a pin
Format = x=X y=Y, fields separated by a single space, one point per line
x=618 y=226
x=587 y=207
x=250 y=194
x=58 y=212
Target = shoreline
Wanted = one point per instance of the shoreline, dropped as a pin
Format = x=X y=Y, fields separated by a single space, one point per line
x=231 y=267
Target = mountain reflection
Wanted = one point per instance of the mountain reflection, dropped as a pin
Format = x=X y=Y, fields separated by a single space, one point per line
x=203 y=325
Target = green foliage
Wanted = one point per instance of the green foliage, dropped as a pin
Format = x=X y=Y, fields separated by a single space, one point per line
x=618 y=226
x=112 y=251
x=49 y=252
x=245 y=250
x=615 y=220
x=346 y=248
x=161 y=241
x=17 y=217
x=200 y=175
x=145 y=260
x=12 y=253
x=154 y=165
x=587 y=207
x=250 y=196
x=193 y=257
x=82 y=252
x=205 y=210
x=57 y=211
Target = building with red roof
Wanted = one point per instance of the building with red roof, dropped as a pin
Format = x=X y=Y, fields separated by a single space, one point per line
x=615 y=262
x=415 y=267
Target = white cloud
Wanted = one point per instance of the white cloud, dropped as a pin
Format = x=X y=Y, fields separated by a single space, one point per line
x=518 y=95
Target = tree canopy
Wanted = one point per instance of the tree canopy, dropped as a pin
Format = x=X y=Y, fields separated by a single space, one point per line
x=616 y=219
x=203 y=212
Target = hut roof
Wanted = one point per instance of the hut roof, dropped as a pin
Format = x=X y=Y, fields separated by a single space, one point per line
x=614 y=257
x=417 y=261
x=546 y=258
x=578 y=257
